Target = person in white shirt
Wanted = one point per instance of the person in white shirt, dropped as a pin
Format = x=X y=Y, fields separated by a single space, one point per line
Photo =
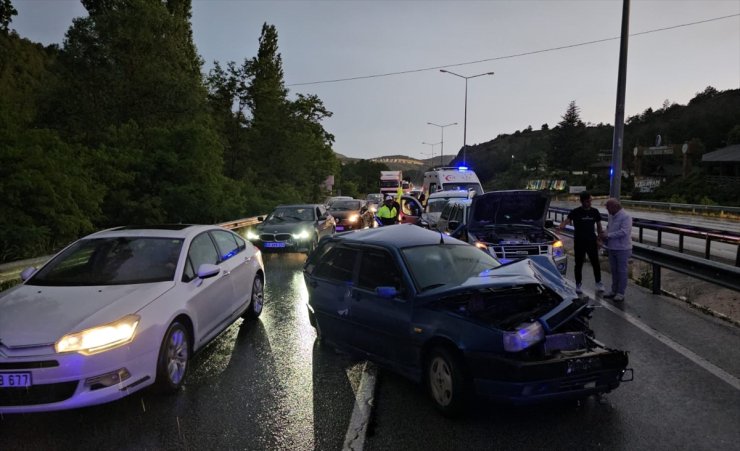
x=618 y=241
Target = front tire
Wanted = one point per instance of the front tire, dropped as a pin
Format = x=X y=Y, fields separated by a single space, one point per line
x=257 y=301
x=446 y=381
x=174 y=356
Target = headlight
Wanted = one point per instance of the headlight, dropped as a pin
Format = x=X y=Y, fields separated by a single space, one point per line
x=353 y=218
x=526 y=335
x=100 y=338
x=302 y=235
x=480 y=245
x=558 y=250
x=251 y=235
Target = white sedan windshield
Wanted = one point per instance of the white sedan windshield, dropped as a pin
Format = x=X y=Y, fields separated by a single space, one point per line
x=112 y=261
x=438 y=265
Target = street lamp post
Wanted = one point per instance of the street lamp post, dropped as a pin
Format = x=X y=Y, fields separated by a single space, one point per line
x=430 y=144
x=442 y=149
x=465 y=122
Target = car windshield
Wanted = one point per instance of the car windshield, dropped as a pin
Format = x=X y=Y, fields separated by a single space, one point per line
x=437 y=205
x=345 y=205
x=462 y=187
x=446 y=264
x=112 y=261
x=291 y=214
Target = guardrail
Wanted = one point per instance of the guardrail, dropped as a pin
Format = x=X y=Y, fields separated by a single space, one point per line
x=691 y=208
x=12 y=271
x=709 y=236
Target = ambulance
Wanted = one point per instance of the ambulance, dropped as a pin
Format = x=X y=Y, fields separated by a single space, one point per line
x=451 y=178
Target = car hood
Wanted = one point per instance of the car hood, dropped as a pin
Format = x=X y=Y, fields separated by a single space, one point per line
x=284 y=227
x=509 y=207
x=341 y=214
x=537 y=269
x=38 y=315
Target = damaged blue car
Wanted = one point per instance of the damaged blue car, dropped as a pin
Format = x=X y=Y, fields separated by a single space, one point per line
x=450 y=316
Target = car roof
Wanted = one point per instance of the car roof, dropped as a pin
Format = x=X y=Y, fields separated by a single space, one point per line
x=461 y=201
x=449 y=193
x=398 y=236
x=163 y=230
x=298 y=206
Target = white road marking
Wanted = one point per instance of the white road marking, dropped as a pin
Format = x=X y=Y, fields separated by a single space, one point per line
x=364 y=399
x=697 y=359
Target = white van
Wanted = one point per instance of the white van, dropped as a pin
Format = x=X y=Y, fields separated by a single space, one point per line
x=449 y=179
x=437 y=201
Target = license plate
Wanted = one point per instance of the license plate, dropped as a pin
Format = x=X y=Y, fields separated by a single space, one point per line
x=15 y=379
x=274 y=244
x=339 y=228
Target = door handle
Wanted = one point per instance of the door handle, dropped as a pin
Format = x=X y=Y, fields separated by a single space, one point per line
x=227 y=273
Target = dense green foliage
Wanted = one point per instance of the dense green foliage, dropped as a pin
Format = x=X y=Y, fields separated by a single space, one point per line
x=119 y=126
x=361 y=177
x=571 y=150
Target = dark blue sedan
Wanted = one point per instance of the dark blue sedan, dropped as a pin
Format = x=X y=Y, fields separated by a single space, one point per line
x=446 y=314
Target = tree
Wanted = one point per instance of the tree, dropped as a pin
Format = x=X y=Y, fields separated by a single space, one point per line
x=568 y=145
x=6 y=15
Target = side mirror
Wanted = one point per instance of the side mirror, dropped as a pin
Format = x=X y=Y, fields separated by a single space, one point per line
x=549 y=224
x=27 y=273
x=207 y=270
x=324 y=217
x=453 y=225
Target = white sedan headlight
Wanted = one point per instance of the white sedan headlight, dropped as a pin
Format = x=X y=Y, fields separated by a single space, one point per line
x=99 y=338
x=302 y=235
x=353 y=218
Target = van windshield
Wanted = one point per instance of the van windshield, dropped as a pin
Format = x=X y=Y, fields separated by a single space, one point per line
x=463 y=187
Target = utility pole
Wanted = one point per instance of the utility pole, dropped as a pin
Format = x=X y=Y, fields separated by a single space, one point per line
x=615 y=184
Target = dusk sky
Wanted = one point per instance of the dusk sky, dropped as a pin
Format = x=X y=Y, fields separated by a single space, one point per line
x=385 y=115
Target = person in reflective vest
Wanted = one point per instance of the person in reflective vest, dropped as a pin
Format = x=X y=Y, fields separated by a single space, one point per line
x=388 y=213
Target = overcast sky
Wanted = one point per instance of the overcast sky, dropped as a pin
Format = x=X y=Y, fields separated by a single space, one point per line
x=328 y=40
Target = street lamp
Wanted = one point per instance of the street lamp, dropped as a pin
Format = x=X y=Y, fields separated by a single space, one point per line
x=442 y=149
x=430 y=144
x=465 y=123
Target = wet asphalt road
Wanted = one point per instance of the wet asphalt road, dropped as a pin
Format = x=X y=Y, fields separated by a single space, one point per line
x=261 y=385
x=266 y=385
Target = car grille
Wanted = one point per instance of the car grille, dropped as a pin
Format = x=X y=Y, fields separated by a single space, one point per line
x=275 y=237
x=518 y=251
x=28 y=365
x=37 y=394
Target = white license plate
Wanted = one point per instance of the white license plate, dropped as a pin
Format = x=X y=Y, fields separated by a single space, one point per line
x=274 y=244
x=15 y=379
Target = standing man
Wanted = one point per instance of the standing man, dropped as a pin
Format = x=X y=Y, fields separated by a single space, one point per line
x=618 y=238
x=585 y=240
x=388 y=213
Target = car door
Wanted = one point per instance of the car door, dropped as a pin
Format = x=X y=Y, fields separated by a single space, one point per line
x=381 y=324
x=210 y=298
x=410 y=210
x=444 y=218
x=235 y=258
x=325 y=222
x=330 y=288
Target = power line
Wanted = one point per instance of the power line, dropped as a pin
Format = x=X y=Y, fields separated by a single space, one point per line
x=515 y=55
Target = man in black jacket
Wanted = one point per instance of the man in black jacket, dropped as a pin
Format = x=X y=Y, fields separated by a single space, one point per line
x=585 y=239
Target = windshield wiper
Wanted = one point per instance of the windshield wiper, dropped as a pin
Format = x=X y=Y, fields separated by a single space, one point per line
x=434 y=285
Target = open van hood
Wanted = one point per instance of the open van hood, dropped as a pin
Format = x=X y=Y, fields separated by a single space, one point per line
x=519 y=207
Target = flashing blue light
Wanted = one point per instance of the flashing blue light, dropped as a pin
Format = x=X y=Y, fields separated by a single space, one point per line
x=611 y=172
x=462 y=168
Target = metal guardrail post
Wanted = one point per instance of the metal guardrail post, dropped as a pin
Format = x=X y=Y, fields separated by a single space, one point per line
x=680 y=242
x=707 y=252
x=660 y=238
x=656 y=279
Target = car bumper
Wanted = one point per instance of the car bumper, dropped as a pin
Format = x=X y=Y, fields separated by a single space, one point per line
x=71 y=380
x=558 y=378
x=283 y=246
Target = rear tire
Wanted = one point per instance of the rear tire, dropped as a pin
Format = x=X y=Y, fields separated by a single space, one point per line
x=446 y=381
x=257 y=301
x=174 y=357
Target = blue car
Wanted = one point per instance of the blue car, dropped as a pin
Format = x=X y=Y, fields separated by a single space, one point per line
x=450 y=316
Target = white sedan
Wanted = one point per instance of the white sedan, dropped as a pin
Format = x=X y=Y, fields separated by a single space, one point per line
x=122 y=309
